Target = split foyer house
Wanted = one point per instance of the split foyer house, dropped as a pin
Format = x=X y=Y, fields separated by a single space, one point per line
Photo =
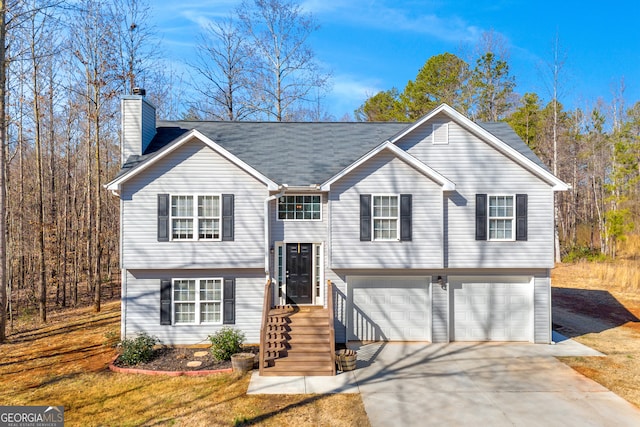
x=439 y=230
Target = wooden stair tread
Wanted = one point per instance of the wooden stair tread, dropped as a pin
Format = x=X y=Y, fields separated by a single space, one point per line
x=298 y=342
x=307 y=357
x=268 y=372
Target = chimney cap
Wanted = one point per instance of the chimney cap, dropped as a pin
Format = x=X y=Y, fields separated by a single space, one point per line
x=139 y=91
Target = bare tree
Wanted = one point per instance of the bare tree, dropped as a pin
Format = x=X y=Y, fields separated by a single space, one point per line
x=136 y=54
x=285 y=74
x=3 y=191
x=94 y=40
x=221 y=65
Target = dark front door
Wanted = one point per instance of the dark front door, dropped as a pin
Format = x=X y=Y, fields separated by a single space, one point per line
x=299 y=273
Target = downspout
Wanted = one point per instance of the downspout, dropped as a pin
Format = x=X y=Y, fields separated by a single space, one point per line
x=267 y=247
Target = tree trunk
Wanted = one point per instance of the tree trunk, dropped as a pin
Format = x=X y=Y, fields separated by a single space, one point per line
x=42 y=296
x=3 y=189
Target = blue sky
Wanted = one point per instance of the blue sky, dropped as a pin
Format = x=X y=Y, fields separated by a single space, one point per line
x=373 y=45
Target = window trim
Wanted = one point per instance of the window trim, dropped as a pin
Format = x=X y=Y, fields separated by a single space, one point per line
x=512 y=217
x=197 y=302
x=195 y=218
x=294 y=219
x=374 y=218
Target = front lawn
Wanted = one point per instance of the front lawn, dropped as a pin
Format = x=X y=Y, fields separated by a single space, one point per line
x=64 y=363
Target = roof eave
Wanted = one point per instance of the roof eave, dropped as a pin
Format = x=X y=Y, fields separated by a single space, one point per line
x=115 y=185
x=446 y=184
x=556 y=183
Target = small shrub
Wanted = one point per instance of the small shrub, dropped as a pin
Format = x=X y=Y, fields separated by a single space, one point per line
x=225 y=342
x=137 y=350
x=578 y=253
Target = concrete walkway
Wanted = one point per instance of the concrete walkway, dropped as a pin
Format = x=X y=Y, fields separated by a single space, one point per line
x=497 y=384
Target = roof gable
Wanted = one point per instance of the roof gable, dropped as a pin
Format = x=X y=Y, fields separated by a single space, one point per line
x=506 y=141
x=316 y=154
x=292 y=153
x=145 y=162
x=446 y=184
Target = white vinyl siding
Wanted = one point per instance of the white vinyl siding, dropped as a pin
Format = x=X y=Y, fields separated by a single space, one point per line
x=299 y=231
x=141 y=305
x=477 y=168
x=440 y=309
x=501 y=217
x=386 y=174
x=138 y=126
x=542 y=308
x=191 y=170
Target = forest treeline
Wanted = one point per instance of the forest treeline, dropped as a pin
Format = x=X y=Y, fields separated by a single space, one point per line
x=595 y=150
x=65 y=64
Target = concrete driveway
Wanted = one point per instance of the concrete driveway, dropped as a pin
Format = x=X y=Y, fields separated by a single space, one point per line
x=468 y=384
x=483 y=384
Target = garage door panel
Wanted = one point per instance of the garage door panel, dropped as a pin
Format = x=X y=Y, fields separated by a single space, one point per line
x=494 y=309
x=389 y=308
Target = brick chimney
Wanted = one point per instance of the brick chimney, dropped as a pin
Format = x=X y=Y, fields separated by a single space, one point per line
x=138 y=122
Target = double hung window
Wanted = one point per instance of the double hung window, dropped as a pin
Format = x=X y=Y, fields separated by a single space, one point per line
x=501 y=217
x=197 y=301
x=385 y=217
x=195 y=217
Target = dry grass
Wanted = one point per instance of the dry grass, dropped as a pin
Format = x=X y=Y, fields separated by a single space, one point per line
x=606 y=293
x=622 y=276
x=630 y=247
x=64 y=363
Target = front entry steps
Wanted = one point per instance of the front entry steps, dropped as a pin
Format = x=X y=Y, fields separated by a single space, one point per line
x=298 y=342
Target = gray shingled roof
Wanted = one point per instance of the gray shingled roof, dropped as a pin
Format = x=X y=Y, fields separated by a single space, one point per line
x=287 y=153
x=504 y=132
x=301 y=154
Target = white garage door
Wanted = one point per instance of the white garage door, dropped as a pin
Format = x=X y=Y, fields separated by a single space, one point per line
x=492 y=308
x=389 y=308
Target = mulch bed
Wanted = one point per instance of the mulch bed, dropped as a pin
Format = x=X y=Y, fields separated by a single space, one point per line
x=172 y=359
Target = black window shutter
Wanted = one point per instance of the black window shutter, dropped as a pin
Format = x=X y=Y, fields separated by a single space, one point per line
x=521 y=217
x=227 y=217
x=229 y=302
x=163 y=217
x=481 y=217
x=165 y=302
x=405 y=217
x=365 y=217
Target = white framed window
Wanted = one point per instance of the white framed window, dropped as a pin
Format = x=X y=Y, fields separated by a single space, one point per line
x=501 y=217
x=195 y=217
x=197 y=301
x=300 y=208
x=385 y=216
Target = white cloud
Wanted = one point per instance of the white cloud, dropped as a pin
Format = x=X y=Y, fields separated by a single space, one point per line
x=349 y=92
x=377 y=14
